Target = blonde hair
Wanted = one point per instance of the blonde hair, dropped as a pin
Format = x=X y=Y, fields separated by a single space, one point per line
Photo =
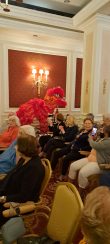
x=70 y=121
x=96 y=216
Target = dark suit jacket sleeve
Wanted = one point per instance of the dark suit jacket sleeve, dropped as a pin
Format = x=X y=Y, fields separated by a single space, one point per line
x=30 y=181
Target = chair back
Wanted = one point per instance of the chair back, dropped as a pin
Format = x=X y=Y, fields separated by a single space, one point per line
x=48 y=173
x=66 y=213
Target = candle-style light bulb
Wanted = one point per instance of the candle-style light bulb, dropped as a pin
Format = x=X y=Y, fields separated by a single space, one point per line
x=41 y=72
x=34 y=71
x=46 y=74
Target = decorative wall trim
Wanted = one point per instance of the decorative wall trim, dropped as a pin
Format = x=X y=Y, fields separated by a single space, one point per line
x=36 y=28
x=97 y=19
x=73 y=75
x=34 y=16
x=88 y=11
x=5 y=72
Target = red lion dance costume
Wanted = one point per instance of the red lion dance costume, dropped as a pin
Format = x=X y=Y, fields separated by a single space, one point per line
x=39 y=108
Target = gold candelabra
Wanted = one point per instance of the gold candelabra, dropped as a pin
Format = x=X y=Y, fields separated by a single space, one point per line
x=40 y=79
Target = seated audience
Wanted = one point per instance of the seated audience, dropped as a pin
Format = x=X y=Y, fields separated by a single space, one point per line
x=95 y=221
x=74 y=151
x=8 y=158
x=23 y=183
x=105 y=176
x=4 y=124
x=53 y=128
x=106 y=121
x=36 y=125
x=10 y=134
x=66 y=134
x=91 y=165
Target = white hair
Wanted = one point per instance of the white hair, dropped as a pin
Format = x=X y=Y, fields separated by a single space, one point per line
x=17 y=121
x=29 y=130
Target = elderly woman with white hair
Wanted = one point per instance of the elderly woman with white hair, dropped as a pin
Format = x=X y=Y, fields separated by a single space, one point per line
x=8 y=158
x=10 y=134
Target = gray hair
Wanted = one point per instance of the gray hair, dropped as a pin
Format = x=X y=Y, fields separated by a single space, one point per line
x=96 y=216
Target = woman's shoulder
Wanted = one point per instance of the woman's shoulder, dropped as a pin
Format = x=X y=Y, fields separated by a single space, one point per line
x=72 y=128
x=75 y=127
x=15 y=128
x=35 y=159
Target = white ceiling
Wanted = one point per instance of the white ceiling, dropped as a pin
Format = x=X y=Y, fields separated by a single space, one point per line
x=72 y=7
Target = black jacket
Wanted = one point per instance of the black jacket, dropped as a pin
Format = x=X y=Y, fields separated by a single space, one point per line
x=23 y=183
x=70 y=133
x=81 y=142
x=55 y=128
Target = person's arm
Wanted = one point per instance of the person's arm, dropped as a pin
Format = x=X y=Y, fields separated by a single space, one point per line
x=32 y=180
x=97 y=145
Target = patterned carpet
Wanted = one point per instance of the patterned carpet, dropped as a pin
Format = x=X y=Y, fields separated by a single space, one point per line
x=39 y=222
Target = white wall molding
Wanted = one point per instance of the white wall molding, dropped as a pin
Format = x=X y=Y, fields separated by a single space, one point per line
x=89 y=10
x=5 y=90
x=37 y=29
x=97 y=19
x=51 y=44
x=73 y=82
x=29 y=15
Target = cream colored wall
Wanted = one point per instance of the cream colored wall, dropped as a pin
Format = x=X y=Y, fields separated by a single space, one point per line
x=88 y=54
x=96 y=71
x=104 y=91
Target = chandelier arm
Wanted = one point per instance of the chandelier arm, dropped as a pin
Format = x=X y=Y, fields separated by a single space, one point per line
x=5 y=6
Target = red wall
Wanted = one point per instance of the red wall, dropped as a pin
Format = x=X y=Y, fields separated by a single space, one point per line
x=79 y=62
x=20 y=74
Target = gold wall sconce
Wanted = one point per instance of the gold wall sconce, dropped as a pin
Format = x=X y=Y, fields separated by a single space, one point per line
x=40 y=79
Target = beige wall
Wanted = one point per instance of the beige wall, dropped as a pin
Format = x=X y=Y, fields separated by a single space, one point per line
x=87 y=73
x=104 y=90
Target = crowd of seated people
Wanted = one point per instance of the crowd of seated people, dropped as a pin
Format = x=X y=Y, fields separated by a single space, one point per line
x=66 y=132
x=94 y=163
x=23 y=182
x=74 y=150
x=9 y=157
x=82 y=153
x=54 y=129
x=73 y=146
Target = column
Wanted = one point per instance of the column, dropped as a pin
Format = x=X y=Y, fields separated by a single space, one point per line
x=95 y=96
